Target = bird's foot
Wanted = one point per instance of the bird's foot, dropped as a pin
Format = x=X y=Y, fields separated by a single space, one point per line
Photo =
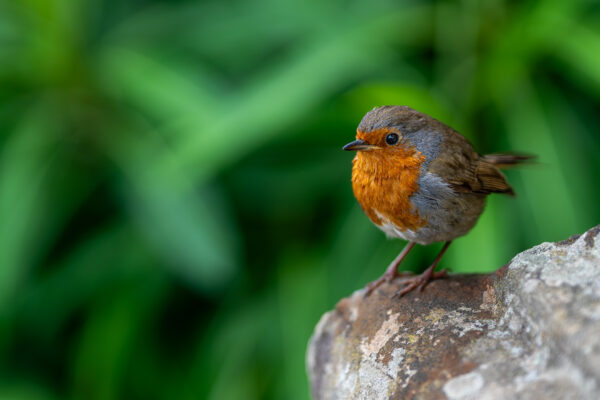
x=419 y=282
x=385 y=278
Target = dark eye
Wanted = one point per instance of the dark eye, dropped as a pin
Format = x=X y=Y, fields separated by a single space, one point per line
x=391 y=139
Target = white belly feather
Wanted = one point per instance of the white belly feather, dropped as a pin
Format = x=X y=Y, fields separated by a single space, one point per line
x=393 y=231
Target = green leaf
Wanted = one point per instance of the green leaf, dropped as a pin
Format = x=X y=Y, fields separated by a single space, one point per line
x=25 y=162
x=580 y=51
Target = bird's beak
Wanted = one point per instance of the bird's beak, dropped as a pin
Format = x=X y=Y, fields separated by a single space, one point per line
x=358 y=145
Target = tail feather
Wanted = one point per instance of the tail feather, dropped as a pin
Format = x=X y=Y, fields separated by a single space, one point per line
x=507 y=160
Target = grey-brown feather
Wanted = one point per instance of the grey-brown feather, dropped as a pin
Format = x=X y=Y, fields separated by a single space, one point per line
x=449 y=214
x=507 y=160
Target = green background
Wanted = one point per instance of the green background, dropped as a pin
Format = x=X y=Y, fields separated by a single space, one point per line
x=175 y=208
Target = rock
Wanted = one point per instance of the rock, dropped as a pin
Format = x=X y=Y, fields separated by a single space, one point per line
x=531 y=330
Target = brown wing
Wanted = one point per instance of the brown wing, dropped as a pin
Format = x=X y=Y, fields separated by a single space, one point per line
x=465 y=170
x=491 y=179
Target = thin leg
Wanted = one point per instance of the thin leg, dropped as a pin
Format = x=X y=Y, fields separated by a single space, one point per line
x=391 y=272
x=422 y=280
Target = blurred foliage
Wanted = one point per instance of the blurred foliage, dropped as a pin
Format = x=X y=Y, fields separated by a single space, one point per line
x=176 y=212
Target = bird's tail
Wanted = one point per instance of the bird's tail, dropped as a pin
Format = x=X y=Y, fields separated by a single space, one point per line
x=507 y=160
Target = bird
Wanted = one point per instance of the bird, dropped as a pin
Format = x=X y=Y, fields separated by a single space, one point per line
x=419 y=180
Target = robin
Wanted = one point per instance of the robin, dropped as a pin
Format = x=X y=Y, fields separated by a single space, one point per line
x=419 y=180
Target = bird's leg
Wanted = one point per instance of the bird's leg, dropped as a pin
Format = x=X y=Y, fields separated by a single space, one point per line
x=391 y=272
x=422 y=280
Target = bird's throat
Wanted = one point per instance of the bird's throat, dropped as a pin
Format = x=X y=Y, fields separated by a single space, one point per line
x=383 y=184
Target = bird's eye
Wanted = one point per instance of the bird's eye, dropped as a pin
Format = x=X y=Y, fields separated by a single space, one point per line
x=391 y=139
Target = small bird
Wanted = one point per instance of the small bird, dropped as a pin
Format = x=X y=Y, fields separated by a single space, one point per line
x=419 y=180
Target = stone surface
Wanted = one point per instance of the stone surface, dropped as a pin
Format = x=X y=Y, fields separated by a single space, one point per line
x=529 y=331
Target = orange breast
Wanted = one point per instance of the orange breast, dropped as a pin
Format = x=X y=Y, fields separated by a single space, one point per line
x=383 y=183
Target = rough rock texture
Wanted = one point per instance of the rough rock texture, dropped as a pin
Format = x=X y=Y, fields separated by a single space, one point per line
x=529 y=331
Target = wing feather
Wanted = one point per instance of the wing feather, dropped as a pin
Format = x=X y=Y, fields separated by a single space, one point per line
x=465 y=170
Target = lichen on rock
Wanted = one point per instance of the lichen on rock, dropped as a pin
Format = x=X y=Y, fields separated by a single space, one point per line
x=530 y=330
